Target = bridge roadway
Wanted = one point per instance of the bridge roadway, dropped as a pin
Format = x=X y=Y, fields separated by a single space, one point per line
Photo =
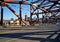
x=42 y=33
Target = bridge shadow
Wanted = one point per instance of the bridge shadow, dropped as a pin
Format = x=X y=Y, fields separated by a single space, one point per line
x=23 y=36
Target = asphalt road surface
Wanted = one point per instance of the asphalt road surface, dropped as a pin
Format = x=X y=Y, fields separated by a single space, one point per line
x=47 y=33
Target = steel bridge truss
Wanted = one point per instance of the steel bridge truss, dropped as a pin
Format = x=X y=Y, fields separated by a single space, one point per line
x=46 y=6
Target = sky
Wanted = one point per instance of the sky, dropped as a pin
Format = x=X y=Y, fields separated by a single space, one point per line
x=8 y=14
x=25 y=10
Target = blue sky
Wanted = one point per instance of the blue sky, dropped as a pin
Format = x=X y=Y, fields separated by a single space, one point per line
x=8 y=14
x=25 y=10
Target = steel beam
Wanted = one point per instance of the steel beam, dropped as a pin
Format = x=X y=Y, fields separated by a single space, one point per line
x=1 y=22
x=20 y=19
x=12 y=10
x=30 y=15
x=1 y=15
